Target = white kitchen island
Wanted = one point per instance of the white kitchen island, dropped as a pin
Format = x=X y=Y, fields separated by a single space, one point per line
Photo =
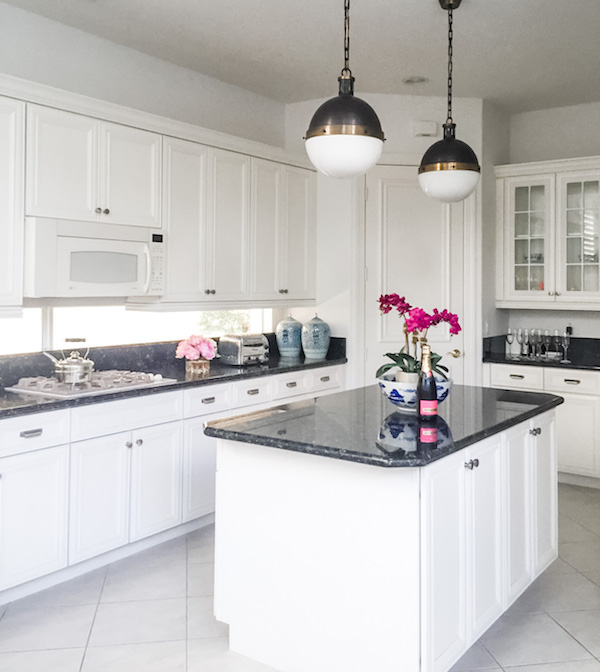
x=343 y=547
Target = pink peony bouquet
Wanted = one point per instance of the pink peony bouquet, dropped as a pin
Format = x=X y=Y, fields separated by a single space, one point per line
x=416 y=322
x=196 y=347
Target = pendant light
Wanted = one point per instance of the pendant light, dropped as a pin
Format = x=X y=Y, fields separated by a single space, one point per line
x=344 y=138
x=449 y=170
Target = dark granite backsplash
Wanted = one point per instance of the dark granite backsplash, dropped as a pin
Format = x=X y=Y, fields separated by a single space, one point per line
x=583 y=353
x=145 y=357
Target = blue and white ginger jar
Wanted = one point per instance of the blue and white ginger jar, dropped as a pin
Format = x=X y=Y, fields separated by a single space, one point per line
x=316 y=335
x=288 y=335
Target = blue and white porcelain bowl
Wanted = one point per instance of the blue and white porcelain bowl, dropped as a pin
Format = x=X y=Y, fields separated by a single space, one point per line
x=404 y=395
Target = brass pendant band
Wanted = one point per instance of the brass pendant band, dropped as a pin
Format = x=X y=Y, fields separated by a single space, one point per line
x=344 y=129
x=449 y=166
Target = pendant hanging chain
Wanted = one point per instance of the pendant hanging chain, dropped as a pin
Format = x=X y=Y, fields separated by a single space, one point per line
x=346 y=73
x=450 y=36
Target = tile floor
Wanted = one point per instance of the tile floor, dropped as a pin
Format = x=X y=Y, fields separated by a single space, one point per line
x=153 y=612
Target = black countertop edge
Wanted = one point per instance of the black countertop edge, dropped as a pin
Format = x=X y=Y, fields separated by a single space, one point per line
x=544 y=402
x=13 y=404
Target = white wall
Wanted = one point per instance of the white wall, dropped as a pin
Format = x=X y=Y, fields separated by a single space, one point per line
x=558 y=133
x=44 y=51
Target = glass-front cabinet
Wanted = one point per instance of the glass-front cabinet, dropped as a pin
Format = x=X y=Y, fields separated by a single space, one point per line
x=548 y=235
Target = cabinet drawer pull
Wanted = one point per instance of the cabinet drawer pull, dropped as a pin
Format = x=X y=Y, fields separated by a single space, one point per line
x=106 y=211
x=536 y=431
x=31 y=433
x=572 y=381
x=253 y=391
x=516 y=376
x=208 y=400
x=128 y=444
x=325 y=379
x=292 y=383
x=139 y=442
x=98 y=211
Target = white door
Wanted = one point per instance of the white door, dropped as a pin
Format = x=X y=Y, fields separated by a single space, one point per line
x=414 y=247
x=155 y=479
x=33 y=514
x=62 y=165
x=99 y=502
x=130 y=176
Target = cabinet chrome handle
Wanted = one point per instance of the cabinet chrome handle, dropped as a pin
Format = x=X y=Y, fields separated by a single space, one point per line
x=253 y=391
x=98 y=211
x=550 y=293
x=325 y=379
x=208 y=400
x=213 y=291
x=31 y=433
x=516 y=376
x=292 y=383
x=128 y=444
x=475 y=462
x=556 y=293
x=572 y=381
x=455 y=353
x=536 y=431
x=106 y=211
x=207 y=291
x=138 y=442
x=469 y=465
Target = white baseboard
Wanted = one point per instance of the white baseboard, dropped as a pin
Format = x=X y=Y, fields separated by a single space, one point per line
x=575 y=479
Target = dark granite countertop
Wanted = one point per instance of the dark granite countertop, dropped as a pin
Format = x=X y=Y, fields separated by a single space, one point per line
x=363 y=426
x=583 y=353
x=156 y=358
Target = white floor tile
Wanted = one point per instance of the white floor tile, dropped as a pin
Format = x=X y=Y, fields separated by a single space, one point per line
x=26 y=628
x=528 y=639
x=476 y=658
x=152 y=657
x=164 y=554
x=201 y=545
x=57 y=660
x=558 y=592
x=201 y=579
x=213 y=655
x=84 y=589
x=137 y=622
x=131 y=582
x=201 y=621
x=572 y=666
x=584 y=626
x=583 y=555
x=569 y=530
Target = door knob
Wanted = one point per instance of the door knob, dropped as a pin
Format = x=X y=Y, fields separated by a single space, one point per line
x=455 y=353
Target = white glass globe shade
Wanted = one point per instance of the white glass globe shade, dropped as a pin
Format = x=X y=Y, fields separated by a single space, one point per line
x=343 y=155
x=449 y=186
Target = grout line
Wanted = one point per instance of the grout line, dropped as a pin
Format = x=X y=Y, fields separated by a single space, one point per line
x=85 y=648
x=572 y=636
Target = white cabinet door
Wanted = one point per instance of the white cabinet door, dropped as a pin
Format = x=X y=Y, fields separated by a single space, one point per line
x=227 y=231
x=578 y=451
x=444 y=563
x=298 y=243
x=155 y=479
x=33 y=514
x=84 y=169
x=62 y=164
x=130 y=177
x=519 y=512
x=545 y=492
x=99 y=502
x=12 y=119
x=185 y=172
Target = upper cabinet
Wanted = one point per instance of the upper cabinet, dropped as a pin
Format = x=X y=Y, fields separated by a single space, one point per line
x=548 y=233
x=12 y=118
x=84 y=169
x=238 y=229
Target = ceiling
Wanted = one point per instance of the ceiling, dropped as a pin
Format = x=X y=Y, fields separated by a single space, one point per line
x=520 y=54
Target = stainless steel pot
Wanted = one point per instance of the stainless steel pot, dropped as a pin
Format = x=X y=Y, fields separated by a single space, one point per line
x=72 y=369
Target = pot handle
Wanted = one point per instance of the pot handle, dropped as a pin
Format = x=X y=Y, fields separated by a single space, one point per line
x=52 y=357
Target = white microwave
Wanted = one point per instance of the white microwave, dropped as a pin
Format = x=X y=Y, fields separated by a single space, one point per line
x=86 y=259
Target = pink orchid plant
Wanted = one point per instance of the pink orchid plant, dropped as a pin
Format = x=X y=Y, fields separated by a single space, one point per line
x=196 y=347
x=416 y=322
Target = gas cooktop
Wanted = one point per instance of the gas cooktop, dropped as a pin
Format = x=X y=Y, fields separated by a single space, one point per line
x=101 y=382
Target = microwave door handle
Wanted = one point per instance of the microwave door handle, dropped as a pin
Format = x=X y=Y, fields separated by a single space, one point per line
x=148 y=269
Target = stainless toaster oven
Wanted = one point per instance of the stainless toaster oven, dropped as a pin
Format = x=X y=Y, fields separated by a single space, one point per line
x=243 y=349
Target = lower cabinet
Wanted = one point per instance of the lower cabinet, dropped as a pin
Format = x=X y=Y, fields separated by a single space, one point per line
x=33 y=514
x=489 y=527
x=124 y=487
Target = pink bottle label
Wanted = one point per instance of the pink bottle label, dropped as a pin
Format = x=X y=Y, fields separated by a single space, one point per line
x=428 y=407
x=428 y=434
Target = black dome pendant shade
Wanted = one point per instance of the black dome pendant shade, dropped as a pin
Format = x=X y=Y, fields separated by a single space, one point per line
x=449 y=169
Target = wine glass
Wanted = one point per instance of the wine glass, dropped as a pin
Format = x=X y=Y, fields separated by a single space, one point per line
x=547 y=343
x=510 y=337
x=534 y=339
x=565 y=341
x=521 y=342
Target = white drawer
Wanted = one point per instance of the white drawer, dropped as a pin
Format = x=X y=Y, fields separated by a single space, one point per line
x=326 y=378
x=253 y=391
x=32 y=432
x=517 y=377
x=120 y=416
x=572 y=381
x=290 y=384
x=207 y=399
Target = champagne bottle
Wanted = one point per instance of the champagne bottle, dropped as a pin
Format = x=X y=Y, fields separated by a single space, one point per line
x=426 y=391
